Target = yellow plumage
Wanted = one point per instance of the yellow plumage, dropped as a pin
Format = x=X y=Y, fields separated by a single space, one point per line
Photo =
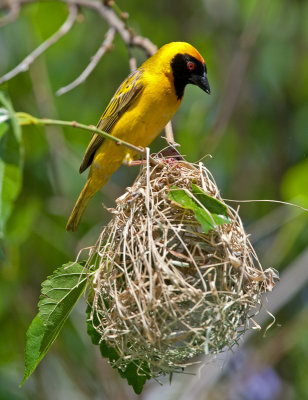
x=140 y=109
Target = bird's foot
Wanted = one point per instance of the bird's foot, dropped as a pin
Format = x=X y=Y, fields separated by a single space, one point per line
x=131 y=162
x=137 y=162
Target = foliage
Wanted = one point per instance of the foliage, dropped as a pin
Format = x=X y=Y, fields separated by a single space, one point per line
x=135 y=375
x=259 y=153
x=209 y=211
x=59 y=294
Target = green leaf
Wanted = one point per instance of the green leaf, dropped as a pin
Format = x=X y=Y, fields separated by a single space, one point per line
x=209 y=213
x=11 y=161
x=136 y=373
x=134 y=377
x=218 y=210
x=59 y=294
x=184 y=199
x=34 y=352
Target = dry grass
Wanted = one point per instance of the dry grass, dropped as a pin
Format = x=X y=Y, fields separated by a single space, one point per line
x=164 y=291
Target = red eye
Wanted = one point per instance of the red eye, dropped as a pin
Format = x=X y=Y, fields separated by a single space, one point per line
x=190 y=65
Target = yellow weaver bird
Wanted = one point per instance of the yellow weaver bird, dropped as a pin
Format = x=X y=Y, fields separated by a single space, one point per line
x=140 y=109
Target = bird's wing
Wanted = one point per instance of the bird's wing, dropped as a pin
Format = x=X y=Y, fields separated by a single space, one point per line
x=123 y=98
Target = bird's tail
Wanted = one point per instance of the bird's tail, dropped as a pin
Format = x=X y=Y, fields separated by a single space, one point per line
x=79 y=207
x=104 y=167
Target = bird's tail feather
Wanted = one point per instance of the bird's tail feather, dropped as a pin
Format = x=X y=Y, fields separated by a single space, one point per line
x=79 y=208
x=97 y=178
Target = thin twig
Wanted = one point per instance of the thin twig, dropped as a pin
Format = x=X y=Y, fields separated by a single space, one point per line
x=26 y=119
x=13 y=13
x=169 y=134
x=268 y=201
x=132 y=63
x=105 y=46
x=112 y=19
x=24 y=65
x=131 y=60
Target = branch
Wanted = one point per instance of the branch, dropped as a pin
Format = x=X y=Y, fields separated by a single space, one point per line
x=24 y=65
x=131 y=60
x=169 y=134
x=107 y=13
x=27 y=119
x=116 y=24
x=13 y=13
x=105 y=46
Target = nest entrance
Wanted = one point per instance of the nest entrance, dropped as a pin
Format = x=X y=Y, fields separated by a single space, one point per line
x=164 y=290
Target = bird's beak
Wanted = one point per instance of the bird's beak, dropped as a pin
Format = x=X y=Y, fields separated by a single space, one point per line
x=201 y=81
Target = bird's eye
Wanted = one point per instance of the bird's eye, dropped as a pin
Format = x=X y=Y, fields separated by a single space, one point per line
x=191 y=65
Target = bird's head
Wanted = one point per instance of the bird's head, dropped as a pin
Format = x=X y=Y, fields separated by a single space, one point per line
x=185 y=64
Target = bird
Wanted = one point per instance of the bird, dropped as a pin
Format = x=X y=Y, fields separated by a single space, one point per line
x=139 y=110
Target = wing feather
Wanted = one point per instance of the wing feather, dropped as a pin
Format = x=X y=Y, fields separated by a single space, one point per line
x=123 y=98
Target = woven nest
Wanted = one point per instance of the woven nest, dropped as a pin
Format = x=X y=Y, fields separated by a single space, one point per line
x=165 y=291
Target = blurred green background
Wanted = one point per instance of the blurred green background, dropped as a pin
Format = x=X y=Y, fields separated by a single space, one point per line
x=255 y=126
